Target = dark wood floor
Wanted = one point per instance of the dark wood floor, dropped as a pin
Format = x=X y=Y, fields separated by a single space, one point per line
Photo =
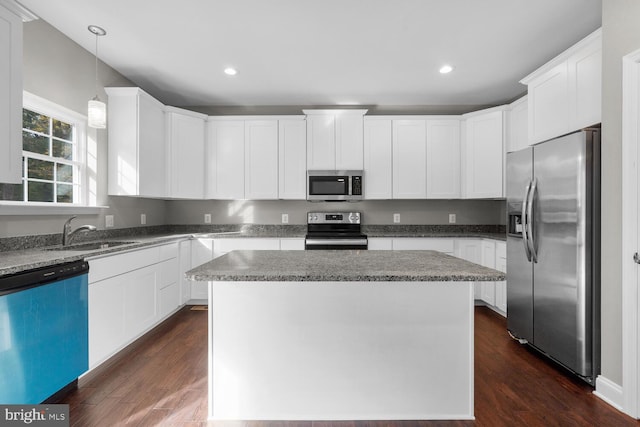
x=162 y=380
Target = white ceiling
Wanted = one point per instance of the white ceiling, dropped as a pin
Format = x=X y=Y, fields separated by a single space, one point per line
x=325 y=52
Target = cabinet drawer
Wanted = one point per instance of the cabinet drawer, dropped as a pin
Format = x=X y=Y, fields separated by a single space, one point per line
x=114 y=265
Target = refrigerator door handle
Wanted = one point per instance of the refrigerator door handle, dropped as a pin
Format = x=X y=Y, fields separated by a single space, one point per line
x=524 y=222
x=530 y=219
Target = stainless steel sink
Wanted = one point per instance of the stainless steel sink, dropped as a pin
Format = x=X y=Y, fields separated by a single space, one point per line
x=91 y=246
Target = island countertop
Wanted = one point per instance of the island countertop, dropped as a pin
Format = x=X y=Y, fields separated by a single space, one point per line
x=342 y=265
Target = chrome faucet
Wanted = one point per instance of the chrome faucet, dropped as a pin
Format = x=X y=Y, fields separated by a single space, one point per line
x=67 y=234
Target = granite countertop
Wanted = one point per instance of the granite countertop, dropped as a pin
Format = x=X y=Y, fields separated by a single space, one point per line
x=343 y=265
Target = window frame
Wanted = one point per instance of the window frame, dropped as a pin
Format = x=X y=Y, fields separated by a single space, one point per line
x=82 y=135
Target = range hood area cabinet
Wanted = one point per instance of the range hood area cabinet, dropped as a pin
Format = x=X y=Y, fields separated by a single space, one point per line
x=412 y=157
x=137 y=147
x=256 y=159
x=335 y=139
x=10 y=97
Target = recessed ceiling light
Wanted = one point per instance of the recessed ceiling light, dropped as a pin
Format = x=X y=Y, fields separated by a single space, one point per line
x=230 y=71
x=446 y=69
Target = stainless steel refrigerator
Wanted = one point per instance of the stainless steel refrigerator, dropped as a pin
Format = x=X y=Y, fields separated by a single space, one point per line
x=553 y=249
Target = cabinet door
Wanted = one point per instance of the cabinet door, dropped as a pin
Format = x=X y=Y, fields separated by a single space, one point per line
x=501 y=287
x=106 y=318
x=549 y=104
x=185 y=265
x=226 y=159
x=443 y=159
x=292 y=166
x=585 y=87
x=261 y=159
x=186 y=160
x=488 y=260
x=321 y=138
x=152 y=163
x=409 y=159
x=517 y=125
x=484 y=156
x=201 y=252
x=140 y=301
x=471 y=250
x=349 y=141
x=10 y=97
x=378 y=163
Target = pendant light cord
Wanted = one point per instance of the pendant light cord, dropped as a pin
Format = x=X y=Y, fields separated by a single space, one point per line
x=96 y=65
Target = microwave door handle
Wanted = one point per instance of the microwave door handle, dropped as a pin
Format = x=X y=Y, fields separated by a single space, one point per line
x=523 y=221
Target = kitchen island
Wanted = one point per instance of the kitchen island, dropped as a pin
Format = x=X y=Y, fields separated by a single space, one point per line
x=341 y=335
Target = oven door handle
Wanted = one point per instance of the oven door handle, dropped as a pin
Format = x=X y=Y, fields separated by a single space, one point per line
x=337 y=242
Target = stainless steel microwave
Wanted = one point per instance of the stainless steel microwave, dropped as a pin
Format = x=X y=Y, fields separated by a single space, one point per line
x=331 y=185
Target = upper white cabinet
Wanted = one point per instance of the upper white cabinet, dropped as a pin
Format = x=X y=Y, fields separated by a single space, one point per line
x=225 y=159
x=443 y=158
x=517 y=125
x=378 y=158
x=186 y=153
x=261 y=159
x=10 y=97
x=137 y=150
x=292 y=154
x=335 y=139
x=483 y=154
x=409 y=159
x=564 y=95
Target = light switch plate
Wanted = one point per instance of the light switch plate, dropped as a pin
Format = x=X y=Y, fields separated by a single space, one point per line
x=396 y=218
x=207 y=218
x=108 y=221
x=285 y=218
x=143 y=219
x=452 y=218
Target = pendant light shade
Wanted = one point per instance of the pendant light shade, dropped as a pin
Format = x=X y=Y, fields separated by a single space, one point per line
x=97 y=110
x=97 y=113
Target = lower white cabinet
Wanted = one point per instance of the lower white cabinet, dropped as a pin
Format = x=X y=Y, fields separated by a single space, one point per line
x=201 y=252
x=292 y=244
x=380 y=244
x=501 y=287
x=129 y=293
x=488 y=293
x=424 y=244
x=471 y=250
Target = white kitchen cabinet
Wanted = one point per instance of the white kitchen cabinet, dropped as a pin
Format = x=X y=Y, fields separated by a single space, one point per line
x=261 y=159
x=129 y=293
x=10 y=97
x=335 y=139
x=483 y=154
x=439 y=244
x=409 y=159
x=471 y=250
x=380 y=244
x=186 y=132
x=292 y=244
x=137 y=145
x=564 y=95
x=201 y=252
x=225 y=159
x=517 y=125
x=184 y=250
x=378 y=158
x=501 y=287
x=292 y=164
x=223 y=246
x=488 y=260
x=443 y=158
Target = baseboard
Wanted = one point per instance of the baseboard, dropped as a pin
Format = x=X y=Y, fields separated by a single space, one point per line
x=610 y=392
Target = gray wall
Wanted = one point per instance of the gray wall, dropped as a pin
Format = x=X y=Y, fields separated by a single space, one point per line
x=59 y=70
x=375 y=212
x=621 y=36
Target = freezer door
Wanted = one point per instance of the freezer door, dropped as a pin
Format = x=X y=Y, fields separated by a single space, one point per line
x=519 y=269
x=561 y=284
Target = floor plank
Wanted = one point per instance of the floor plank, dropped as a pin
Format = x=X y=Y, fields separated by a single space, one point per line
x=162 y=380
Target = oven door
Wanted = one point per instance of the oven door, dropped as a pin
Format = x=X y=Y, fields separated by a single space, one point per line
x=356 y=242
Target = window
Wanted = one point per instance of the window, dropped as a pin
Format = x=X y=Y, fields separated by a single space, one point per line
x=53 y=155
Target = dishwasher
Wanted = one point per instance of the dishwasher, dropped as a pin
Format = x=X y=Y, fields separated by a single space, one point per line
x=44 y=338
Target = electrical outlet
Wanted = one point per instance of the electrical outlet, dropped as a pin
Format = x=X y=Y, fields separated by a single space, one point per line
x=143 y=219
x=396 y=218
x=108 y=221
x=285 y=218
x=207 y=218
x=452 y=218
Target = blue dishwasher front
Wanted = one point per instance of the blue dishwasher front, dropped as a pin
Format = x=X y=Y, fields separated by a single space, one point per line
x=44 y=341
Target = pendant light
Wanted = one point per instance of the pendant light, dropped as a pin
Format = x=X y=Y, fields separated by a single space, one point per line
x=97 y=110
